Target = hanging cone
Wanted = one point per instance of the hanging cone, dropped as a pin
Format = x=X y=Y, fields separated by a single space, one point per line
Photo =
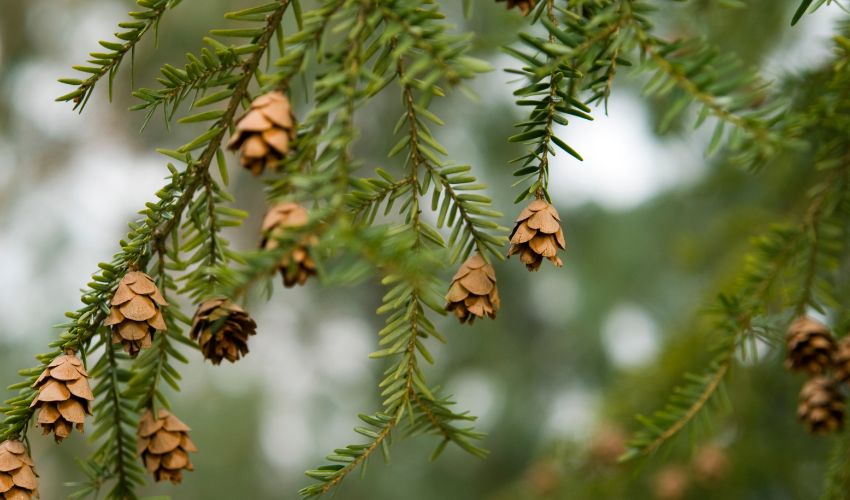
x=64 y=397
x=296 y=266
x=473 y=292
x=671 y=482
x=810 y=346
x=136 y=313
x=265 y=133
x=18 y=479
x=222 y=329
x=524 y=5
x=164 y=445
x=821 y=407
x=537 y=234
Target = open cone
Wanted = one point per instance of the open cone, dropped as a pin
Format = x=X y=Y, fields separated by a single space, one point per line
x=164 y=446
x=810 y=346
x=222 y=329
x=135 y=313
x=64 y=397
x=296 y=266
x=821 y=407
x=537 y=235
x=265 y=133
x=473 y=292
x=18 y=479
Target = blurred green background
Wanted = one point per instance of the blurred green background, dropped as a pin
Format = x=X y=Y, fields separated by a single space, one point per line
x=654 y=230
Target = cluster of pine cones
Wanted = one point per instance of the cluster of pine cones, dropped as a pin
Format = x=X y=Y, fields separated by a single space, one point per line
x=263 y=136
x=813 y=350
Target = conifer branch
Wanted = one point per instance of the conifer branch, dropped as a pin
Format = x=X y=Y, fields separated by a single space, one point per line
x=775 y=255
x=104 y=64
x=550 y=90
x=162 y=218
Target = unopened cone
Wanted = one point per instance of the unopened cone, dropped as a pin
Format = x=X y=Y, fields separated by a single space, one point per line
x=264 y=134
x=537 y=234
x=222 y=329
x=135 y=314
x=473 y=292
x=821 y=407
x=524 y=5
x=18 y=479
x=164 y=445
x=297 y=265
x=64 y=397
x=810 y=346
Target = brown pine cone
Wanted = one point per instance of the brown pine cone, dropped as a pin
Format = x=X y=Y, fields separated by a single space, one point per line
x=296 y=266
x=64 y=396
x=821 y=407
x=671 y=482
x=841 y=360
x=164 y=445
x=524 y=5
x=222 y=329
x=711 y=465
x=473 y=292
x=135 y=313
x=17 y=472
x=537 y=234
x=810 y=346
x=264 y=133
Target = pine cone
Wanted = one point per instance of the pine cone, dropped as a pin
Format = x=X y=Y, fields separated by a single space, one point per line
x=264 y=133
x=671 y=482
x=296 y=266
x=537 y=234
x=711 y=465
x=473 y=292
x=810 y=346
x=821 y=406
x=524 y=5
x=841 y=360
x=135 y=313
x=17 y=472
x=222 y=329
x=63 y=396
x=164 y=445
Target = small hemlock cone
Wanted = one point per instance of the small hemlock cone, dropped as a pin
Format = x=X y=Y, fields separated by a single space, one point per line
x=296 y=266
x=821 y=407
x=264 y=133
x=524 y=5
x=473 y=293
x=537 y=234
x=135 y=313
x=64 y=396
x=222 y=329
x=841 y=360
x=810 y=346
x=17 y=472
x=164 y=445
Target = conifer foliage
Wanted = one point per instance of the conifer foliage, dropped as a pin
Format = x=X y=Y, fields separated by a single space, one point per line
x=323 y=216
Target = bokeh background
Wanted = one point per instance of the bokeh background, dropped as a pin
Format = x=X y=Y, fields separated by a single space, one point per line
x=654 y=230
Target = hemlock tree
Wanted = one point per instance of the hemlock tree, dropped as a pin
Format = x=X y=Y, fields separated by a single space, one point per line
x=420 y=222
